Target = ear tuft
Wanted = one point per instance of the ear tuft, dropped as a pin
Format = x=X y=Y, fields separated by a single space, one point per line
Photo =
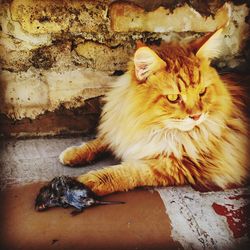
x=146 y=61
x=209 y=46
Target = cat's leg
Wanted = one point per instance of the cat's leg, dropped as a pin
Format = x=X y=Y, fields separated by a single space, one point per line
x=127 y=176
x=83 y=154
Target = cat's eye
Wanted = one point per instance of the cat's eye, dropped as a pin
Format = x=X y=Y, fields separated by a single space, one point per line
x=174 y=98
x=203 y=91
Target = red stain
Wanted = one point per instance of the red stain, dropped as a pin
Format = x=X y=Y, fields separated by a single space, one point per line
x=242 y=196
x=238 y=219
x=204 y=189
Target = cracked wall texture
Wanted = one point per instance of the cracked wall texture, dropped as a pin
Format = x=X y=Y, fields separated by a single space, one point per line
x=60 y=53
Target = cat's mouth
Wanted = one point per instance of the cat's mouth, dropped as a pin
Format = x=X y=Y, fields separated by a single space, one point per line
x=186 y=124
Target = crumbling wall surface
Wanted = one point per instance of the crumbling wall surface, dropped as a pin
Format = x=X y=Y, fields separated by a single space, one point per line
x=56 y=53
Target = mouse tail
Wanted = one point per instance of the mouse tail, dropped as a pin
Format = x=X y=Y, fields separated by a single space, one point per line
x=98 y=202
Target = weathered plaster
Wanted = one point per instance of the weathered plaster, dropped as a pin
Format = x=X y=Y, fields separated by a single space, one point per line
x=31 y=93
x=49 y=49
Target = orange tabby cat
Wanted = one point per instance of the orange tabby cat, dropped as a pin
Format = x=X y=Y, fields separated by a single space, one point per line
x=172 y=120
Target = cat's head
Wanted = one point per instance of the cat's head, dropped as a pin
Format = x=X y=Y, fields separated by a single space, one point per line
x=178 y=84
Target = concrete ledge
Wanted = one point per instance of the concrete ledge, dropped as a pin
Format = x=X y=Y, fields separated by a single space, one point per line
x=180 y=217
x=79 y=121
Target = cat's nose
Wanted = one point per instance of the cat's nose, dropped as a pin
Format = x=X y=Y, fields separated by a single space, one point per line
x=195 y=116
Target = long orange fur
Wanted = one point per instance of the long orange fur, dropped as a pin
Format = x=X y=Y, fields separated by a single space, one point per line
x=200 y=139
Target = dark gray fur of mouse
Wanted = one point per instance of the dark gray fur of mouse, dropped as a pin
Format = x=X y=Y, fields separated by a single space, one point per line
x=64 y=191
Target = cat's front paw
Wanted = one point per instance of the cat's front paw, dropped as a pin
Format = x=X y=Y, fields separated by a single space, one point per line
x=70 y=156
x=97 y=184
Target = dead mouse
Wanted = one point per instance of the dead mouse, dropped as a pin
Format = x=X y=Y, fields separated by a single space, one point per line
x=64 y=191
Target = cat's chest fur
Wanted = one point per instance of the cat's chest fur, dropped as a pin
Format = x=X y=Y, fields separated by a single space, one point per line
x=155 y=143
x=129 y=140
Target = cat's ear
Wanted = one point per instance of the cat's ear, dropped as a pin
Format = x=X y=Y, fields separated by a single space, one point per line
x=208 y=46
x=146 y=62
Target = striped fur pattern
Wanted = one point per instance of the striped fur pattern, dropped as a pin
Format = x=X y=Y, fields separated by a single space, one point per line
x=172 y=120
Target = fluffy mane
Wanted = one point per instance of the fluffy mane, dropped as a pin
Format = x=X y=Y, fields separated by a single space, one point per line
x=172 y=120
